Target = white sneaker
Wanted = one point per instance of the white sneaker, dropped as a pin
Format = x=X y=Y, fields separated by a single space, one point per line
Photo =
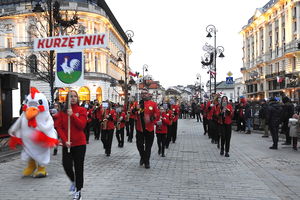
x=77 y=195
x=72 y=189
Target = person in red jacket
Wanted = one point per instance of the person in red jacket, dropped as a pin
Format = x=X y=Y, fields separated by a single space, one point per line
x=161 y=131
x=108 y=126
x=121 y=115
x=131 y=121
x=170 y=128
x=175 y=110
x=73 y=161
x=146 y=116
x=226 y=113
x=204 y=114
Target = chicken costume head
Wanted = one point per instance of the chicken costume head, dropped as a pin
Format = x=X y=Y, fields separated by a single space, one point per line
x=34 y=130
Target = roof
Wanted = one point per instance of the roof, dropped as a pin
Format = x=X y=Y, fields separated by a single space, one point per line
x=223 y=85
x=100 y=3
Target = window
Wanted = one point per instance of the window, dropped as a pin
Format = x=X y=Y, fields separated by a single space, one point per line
x=10 y=67
x=294 y=63
x=294 y=12
x=295 y=26
x=32 y=64
x=9 y=42
x=270 y=41
x=96 y=64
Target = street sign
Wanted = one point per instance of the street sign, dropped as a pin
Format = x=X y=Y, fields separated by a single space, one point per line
x=229 y=80
x=69 y=70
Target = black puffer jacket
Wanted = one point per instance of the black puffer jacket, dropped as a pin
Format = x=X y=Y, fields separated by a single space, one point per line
x=274 y=113
x=287 y=111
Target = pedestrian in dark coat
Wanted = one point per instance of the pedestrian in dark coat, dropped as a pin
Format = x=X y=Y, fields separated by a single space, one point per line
x=274 y=118
x=287 y=113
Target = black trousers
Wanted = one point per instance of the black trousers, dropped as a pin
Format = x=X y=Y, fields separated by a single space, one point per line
x=174 y=131
x=120 y=137
x=144 y=142
x=274 y=132
x=210 y=128
x=169 y=135
x=241 y=124
x=131 y=129
x=74 y=161
x=96 y=128
x=87 y=131
x=161 y=142
x=205 y=125
x=107 y=138
x=286 y=130
x=198 y=117
x=216 y=131
x=225 y=137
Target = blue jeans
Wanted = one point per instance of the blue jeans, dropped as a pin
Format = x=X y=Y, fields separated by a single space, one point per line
x=249 y=123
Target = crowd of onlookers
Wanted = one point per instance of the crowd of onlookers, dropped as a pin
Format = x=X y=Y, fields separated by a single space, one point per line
x=274 y=116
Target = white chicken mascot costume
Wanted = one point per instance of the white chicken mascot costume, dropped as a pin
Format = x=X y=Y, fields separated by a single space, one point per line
x=35 y=131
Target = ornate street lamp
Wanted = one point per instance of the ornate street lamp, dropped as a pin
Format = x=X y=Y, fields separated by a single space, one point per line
x=213 y=52
x=123 y=55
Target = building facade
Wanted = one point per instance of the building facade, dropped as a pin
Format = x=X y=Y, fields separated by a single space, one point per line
x=271 y=51
x=102 y=69
x=239 y=88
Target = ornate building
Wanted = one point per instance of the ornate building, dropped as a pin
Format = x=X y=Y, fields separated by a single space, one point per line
x=271 y=50
x=102 y=69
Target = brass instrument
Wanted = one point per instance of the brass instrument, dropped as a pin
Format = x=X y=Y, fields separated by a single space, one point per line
x=104 y=122
x=127 y=116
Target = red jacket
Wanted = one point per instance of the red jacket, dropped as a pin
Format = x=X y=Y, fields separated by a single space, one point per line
x=163 y=129
x=151 y=115
x=203 y=110
x=131 y=108
x=123 y=115
x=209 y=112
x=78 y=122
x=170 y=116
x=228 y=114
x=175 y=109
x=217 y=114
x=110 y=115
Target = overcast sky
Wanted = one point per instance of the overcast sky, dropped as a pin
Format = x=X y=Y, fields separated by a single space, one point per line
x=170 y=34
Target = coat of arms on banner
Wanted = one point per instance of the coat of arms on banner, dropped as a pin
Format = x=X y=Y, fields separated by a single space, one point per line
x=69 y=69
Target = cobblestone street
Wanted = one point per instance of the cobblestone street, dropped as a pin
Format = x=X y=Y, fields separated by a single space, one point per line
x=192 y=169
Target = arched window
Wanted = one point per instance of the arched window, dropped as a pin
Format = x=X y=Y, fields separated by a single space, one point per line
x=62 y=94
x=84 y=94
x=32 y=63
x=99 y=94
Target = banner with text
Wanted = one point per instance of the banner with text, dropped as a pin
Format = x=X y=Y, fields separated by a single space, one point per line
x=70 y=42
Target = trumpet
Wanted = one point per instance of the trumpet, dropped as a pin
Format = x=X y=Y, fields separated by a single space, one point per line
x=118 y=126
x=104 y=124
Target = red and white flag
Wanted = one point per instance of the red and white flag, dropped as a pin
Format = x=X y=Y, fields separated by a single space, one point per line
x=279 y=79
x=132 y=74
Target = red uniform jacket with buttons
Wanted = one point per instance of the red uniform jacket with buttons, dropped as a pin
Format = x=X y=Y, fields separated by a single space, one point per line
x=151 y=115
x=163 y=129
x=228 y=114
x=123 y=116
x=217 y=117
x=89 y=115
x=170 y=116
x=175 y=109
x=78 y=122
x=111 y=119
x=209 y=110
x=131 y=108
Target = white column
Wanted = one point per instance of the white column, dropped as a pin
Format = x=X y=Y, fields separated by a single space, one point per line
x=298 y=19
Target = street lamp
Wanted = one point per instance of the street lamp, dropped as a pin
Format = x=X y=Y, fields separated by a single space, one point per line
x=212 y=32
x=121 y=54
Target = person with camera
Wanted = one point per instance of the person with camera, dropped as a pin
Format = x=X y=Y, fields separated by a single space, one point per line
x=225 y=127
x=108 y=126
x=147 y=114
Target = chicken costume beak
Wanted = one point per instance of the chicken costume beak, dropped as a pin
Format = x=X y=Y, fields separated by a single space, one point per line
x=31 y=112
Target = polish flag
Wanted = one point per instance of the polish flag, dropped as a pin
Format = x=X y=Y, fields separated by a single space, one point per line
x=132 y=74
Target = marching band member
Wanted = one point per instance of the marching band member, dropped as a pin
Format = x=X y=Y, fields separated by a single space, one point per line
x=170 y=129
x=204 y=114
x=120 y=126
x=175 y=110
x=131 y=121
x=227 y=113
x=217 y=120
x=146 y=117
x=96 y=115
x=108 y=126
x=161 y=131
x=209 y=114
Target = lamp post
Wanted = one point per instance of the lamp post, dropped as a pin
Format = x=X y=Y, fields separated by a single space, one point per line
x=121 y=54
x=145 y=69
x=199 y=78
x=212 y=30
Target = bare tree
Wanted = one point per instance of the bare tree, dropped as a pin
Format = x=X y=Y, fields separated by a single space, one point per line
x=51 y=21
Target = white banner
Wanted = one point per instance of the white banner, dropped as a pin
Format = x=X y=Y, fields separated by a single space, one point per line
x=70 y=42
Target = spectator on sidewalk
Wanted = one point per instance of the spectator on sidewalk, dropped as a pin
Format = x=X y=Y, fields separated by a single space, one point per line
x=287 y=113
x=248 y=117
x=274 y=119
x=263 y=116
x=294 y=126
